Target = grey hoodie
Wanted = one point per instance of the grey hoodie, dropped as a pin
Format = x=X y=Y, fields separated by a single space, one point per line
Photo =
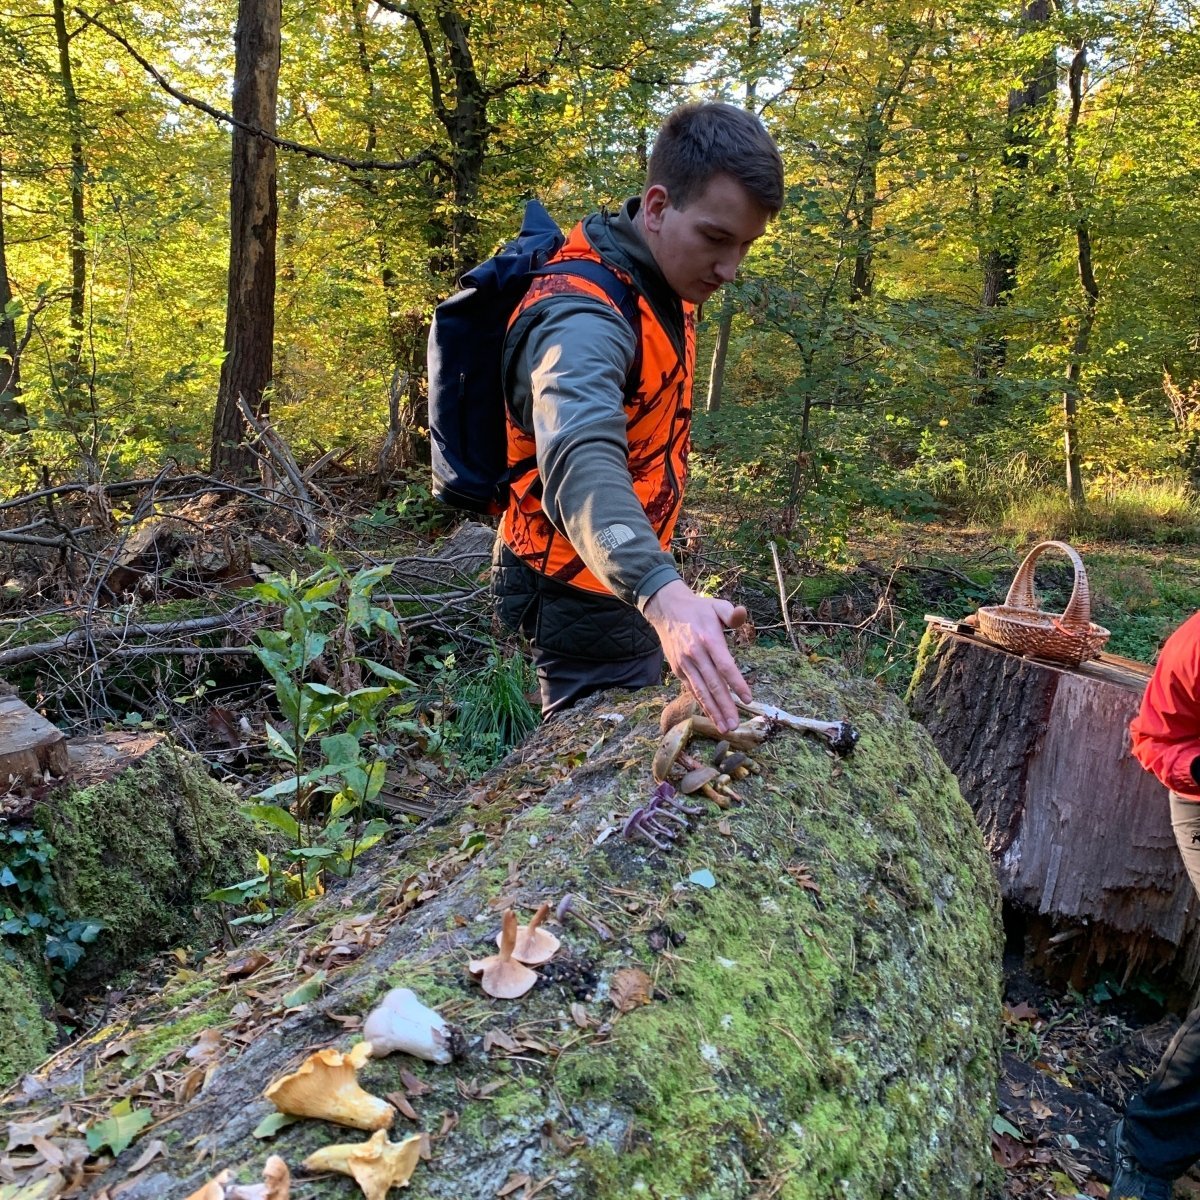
x=565 y=373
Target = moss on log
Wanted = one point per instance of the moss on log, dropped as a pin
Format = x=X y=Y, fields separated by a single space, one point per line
x=142 y=832
x=821 y=1022
x=25 y=1034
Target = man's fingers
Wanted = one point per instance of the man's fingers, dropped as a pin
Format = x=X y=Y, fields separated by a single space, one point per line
x=737 y=618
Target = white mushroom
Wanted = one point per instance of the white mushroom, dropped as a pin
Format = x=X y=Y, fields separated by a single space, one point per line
x=401 y=1022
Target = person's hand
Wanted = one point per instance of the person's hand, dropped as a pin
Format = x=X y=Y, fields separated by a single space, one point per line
x=691 y=630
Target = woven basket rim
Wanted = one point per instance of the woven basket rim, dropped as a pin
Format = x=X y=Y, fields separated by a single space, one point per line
x=1039 y=619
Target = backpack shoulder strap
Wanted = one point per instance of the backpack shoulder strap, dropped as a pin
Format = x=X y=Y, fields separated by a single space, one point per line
x=623 y=295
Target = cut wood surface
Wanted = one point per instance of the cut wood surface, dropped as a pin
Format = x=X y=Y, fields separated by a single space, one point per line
x=1079 y=833
x=30 y=746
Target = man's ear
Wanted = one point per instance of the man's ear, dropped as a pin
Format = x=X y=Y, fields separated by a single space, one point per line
x=654 y=203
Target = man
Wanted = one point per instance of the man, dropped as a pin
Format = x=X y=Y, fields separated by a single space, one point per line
x=1159 y=1136
x=599 y=418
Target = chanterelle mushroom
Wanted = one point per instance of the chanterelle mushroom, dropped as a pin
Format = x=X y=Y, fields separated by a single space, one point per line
x=376 y=1165
x=501 y=975
x=325 y=1086
x=534 y=945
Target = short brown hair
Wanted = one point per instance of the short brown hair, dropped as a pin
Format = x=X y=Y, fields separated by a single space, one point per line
x=698 y=141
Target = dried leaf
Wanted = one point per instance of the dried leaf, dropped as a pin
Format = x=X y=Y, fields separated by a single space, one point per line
x=724 y=828
x=1007 y=1152
x=207 y=1049
x=412 y=1085
x=153 y=1149
x=1040 y=1110
x=247 y=965
x=579 y=1015
x=113 y=1050
x=630 y=989
x=498 y=1037
x=449 y=1123
x=399 y=1101
x=516 y=1180
x=22 y=1133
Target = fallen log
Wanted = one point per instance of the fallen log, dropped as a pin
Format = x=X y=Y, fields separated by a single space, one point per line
x=1080 y=835
x=799 y=997
x=31 y=748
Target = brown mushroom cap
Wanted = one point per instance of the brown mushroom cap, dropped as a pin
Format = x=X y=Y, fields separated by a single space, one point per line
x=683 y=706
x=376 y=1165
x=500 y=974
x=670 y=747
x=694 y=780
x=325 y=1086
x=534 y=945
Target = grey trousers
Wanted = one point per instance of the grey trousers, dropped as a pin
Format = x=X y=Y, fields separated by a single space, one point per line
x=564 y=680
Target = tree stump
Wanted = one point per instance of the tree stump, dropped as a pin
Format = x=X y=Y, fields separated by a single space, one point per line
x=799 y=996
x=1079 y=833
x=31 y=748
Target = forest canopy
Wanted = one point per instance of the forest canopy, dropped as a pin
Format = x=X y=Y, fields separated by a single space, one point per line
x=986 y=253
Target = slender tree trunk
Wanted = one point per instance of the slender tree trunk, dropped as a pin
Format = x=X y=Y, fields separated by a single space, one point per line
x=12 y=412
x=1091 y=292
x=999 y=262
x=254 y=219
x=716 y=376
x=862 y=281
x=78 y=238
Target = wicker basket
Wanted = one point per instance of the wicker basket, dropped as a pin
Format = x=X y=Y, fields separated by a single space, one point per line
x=1020 y=626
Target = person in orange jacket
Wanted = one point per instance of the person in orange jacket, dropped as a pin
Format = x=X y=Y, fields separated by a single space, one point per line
x=1159 y=1136
x=599 y=418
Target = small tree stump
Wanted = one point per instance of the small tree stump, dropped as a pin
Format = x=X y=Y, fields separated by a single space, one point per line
x=1079 y=833
x=30 y=747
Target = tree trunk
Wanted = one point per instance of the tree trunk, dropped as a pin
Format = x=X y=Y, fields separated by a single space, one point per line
x=751 y=1004
x=254 y=217
x=1080 y=835
x=1000 y=261
x=78 y=238
x=30 y=747
x=13 y=416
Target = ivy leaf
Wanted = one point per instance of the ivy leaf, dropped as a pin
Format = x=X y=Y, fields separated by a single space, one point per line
x=124 y=1124
x=272 y=1123
x=307 y=992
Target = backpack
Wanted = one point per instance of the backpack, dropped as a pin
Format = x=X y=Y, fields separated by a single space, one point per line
x=467 y=431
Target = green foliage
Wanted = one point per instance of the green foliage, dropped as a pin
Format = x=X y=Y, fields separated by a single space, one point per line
x=30 y=912
x=491 y=711
x=330 y=740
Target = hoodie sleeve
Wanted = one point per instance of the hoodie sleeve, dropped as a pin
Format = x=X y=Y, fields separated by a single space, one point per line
x=1166 y=731
x=566 y=383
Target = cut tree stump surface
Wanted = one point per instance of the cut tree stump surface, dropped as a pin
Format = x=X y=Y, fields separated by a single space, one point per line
x=1079 y=833
x=30 y=746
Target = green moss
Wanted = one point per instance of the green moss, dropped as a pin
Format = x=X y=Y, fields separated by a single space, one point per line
x=25 y=1034
x=139 y=851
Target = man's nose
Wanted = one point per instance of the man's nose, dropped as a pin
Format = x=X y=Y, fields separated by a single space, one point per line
x=726 y=267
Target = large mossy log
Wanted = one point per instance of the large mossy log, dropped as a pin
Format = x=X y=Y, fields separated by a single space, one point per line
x=822 y=1020
x=1079 y=833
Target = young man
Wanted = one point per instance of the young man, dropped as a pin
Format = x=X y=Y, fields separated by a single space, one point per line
x=599 y=419
x=1159 y=1136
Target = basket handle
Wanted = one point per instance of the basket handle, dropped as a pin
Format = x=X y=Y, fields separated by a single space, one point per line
x=1077 y=616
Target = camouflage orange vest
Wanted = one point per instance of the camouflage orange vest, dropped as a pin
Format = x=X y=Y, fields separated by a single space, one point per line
x=658 y=411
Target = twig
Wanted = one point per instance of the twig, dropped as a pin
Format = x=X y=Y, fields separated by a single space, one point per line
x=783 y=603
x=279 y=453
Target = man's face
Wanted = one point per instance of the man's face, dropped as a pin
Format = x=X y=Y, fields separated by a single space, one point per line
x=700 y=247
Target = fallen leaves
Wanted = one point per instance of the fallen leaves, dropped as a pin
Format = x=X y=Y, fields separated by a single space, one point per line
x=630 y=988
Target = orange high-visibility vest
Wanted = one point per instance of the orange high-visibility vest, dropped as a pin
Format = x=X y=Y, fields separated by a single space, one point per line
x=658 y=413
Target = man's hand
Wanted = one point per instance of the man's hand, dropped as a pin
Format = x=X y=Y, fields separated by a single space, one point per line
x=691 y=629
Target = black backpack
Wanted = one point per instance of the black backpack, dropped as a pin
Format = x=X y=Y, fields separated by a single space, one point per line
x=466 y=343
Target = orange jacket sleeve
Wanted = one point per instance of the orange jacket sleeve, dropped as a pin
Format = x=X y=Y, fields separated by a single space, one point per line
x=1166 y=731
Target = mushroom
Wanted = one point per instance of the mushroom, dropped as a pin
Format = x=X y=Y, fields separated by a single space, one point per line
x=683 y=706
x=214 y=1189
x=748 y=736
x=534 y=945
x=841 y=735
x=376 y=1165
x=501 y=975
x=636 y=828
x=670 y=747
x=566 y=907
x=697 y=778
x=401 y=1022
x=325 y=1086
x=276 y=1184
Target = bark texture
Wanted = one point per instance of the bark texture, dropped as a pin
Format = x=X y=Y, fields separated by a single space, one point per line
x=821 y=1009
x=254 y=219
x=1079 y=833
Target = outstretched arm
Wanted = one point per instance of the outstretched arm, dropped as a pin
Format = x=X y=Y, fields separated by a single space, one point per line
x=692 y=631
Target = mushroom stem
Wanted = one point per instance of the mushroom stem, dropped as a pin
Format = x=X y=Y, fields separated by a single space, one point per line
x=566 y=909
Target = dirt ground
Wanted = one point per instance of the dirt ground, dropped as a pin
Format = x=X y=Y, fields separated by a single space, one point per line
x=1069 y=1065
